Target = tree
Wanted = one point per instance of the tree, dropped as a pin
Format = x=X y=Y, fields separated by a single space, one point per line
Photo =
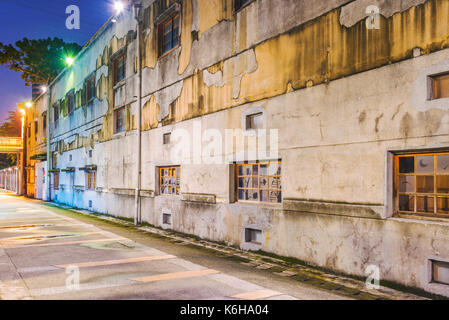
x=12 y=126
x=39 y=61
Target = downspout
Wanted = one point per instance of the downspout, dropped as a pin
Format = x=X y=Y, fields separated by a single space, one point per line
x=138 y=216
x=47 y=172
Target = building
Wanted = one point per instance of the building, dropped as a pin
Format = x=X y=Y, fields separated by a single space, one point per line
x=314 y=130
x=35 y=139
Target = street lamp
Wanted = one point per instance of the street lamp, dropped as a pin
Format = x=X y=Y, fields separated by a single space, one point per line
x=69 y=61
x=119 y=7
x=28 y=104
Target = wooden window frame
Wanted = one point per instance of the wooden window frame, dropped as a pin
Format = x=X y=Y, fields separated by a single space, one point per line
x=415 y=195
x=116 y=112
x=160 y=34
x=433 y=90
x=116 y=60
x=259 y=176
x=91 y=179
x=174 y=174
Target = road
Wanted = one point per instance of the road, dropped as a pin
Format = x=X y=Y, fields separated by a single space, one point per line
x=50 y=253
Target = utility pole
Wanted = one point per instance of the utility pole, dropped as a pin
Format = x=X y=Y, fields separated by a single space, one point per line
x=47 y=171
x=137 y=6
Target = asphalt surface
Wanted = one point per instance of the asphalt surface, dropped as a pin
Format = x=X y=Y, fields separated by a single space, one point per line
x=51 y=253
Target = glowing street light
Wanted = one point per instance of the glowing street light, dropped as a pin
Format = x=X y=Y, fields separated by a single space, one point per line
x=119 y=7
x=28 y=104
x=69 y=61
x=44 y=89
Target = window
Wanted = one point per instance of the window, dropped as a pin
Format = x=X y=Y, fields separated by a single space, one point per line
x=119 y=116
x=259 y=181
x=44 y=121
x=440 y=86
x=70 y=102
x=168 y=35
x=91 y=179
x=166 y=138
x=56 y=113
x=166 y=218
x=169 y=180
x=119 y=68
x=254 y=121
x=90 y=89
x=422 y=184
x=56 y=180
x=36 y=129
x=239 y=4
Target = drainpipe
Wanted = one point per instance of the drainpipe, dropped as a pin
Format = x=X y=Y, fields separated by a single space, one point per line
x=138 y=216
x=47 y=172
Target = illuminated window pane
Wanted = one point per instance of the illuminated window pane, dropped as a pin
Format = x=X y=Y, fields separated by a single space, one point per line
x=425 y=204
x=443 y=205
x=443 y=184
x=424 y=184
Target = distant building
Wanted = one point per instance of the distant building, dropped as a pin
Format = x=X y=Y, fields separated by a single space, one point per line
x=351 y=170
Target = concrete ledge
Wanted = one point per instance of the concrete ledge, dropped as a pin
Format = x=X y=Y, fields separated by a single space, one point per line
x=147 y=193
x=123 y=192
x=198 y=197
x=352 y=210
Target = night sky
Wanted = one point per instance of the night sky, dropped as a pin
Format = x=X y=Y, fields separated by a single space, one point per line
x=36 y=19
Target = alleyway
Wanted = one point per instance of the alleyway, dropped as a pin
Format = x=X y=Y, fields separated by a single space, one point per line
x=41 y=249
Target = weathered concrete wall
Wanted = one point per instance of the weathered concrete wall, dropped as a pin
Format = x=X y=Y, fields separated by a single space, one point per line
x=341 y=97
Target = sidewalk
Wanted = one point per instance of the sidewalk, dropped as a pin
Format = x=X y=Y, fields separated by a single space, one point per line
x=279 y=266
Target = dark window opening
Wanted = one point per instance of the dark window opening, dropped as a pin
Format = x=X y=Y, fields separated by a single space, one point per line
x=166 y=138
x=168 y=35
x=239 y=4
x=90 y=89
x=253 y=236
x=119 y=116
x=119 y=68
x=70 y=103
x=254 y=121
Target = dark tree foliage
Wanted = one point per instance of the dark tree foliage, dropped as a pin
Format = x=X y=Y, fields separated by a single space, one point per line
x=12 y=126
x=39 y=61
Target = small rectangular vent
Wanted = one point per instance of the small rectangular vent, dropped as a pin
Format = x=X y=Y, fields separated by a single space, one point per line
x=253 y=236
x=90 y=203
x=440 y=272
x=166 y=218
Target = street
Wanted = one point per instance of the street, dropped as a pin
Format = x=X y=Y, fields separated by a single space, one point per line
x=44 y=251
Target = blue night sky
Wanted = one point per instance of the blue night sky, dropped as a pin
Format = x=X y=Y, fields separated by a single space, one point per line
x=36 y=19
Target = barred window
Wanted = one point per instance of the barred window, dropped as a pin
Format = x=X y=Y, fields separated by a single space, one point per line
x=259 y=181
x=422 y=184
x=170 y=180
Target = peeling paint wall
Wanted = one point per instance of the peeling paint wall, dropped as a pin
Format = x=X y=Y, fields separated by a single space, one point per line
x=340 y=95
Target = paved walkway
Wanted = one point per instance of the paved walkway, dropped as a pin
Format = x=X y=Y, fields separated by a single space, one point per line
x=43 y=252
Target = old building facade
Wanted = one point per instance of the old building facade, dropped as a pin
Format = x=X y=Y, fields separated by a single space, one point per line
x=301 y=128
